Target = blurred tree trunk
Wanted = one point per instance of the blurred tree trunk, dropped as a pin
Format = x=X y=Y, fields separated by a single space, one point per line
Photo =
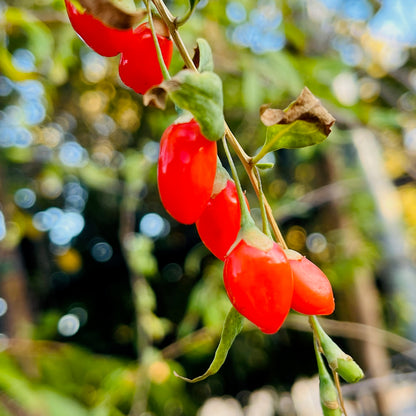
x=399 y=273
x=13 y=284
x=13 y=289
x=361 y=301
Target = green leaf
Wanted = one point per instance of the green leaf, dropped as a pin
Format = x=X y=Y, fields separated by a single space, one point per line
x=203 y=56
x=304 y=123
x=201 y=95
x=232 y=327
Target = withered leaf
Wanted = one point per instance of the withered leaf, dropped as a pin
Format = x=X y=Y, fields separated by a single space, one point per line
x=303 y=123
x=306 y=107
x=157 y=96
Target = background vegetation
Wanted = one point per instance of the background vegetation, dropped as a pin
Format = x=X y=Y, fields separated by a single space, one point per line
x=103 y=295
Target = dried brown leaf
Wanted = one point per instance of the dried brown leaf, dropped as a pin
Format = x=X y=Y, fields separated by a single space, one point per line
x=306 y=107
x=158 y=95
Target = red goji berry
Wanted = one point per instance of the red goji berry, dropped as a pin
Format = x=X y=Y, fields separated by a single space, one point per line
x=139 y=67
x=219 y=224
x=258 y=280
x=103 y=39
x=312 y=291
x=186 y=170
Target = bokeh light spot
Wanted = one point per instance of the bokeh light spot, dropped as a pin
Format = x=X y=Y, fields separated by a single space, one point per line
x=2 y=226
x=159 y=372
x=34 y=111
x=346 y=89
x=24 y=198
x=153 y=225
x=94 y=66
x=70 y=261
x=172 y=272
x=151 y=151
x=316 y=243
x=410 y=140
x=81 y=313
x=22 y=137
x=296 y=237
x=73 y=154
x=6 y=86
x=23 y=60
x=3 y=307
x=236 y=12
x=102 y=251
x=51 y=186
x=68 y=325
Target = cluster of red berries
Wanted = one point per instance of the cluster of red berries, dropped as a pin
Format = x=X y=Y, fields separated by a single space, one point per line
x=134 y=45
x=262 y=280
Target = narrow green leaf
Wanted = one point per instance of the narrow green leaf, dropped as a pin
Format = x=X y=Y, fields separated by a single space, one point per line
x=203 y=56
x=200 y=94
x=232 y=327
x=304 y=123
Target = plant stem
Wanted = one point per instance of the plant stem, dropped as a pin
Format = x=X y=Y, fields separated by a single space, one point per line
x=265 y=223
x=249 y=167
x=162 y=64
x=340 y=396
x=182 y=20
x=266 y=148
x=246 y=219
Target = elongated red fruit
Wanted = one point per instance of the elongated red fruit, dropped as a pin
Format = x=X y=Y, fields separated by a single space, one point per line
x=103 y=39
x=186 y=171
x=139 y=67
x=312 y=292
x=258 y=281
x=219 y=224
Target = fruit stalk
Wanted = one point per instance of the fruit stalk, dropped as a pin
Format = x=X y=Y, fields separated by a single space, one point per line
x=163 y=67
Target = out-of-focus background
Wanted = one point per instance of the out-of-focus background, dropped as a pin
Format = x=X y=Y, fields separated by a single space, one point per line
x=103 y=295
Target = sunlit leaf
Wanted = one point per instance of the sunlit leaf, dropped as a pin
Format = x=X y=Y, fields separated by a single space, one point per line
x=232 y=327
x=304 y=123
x=199 y=93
